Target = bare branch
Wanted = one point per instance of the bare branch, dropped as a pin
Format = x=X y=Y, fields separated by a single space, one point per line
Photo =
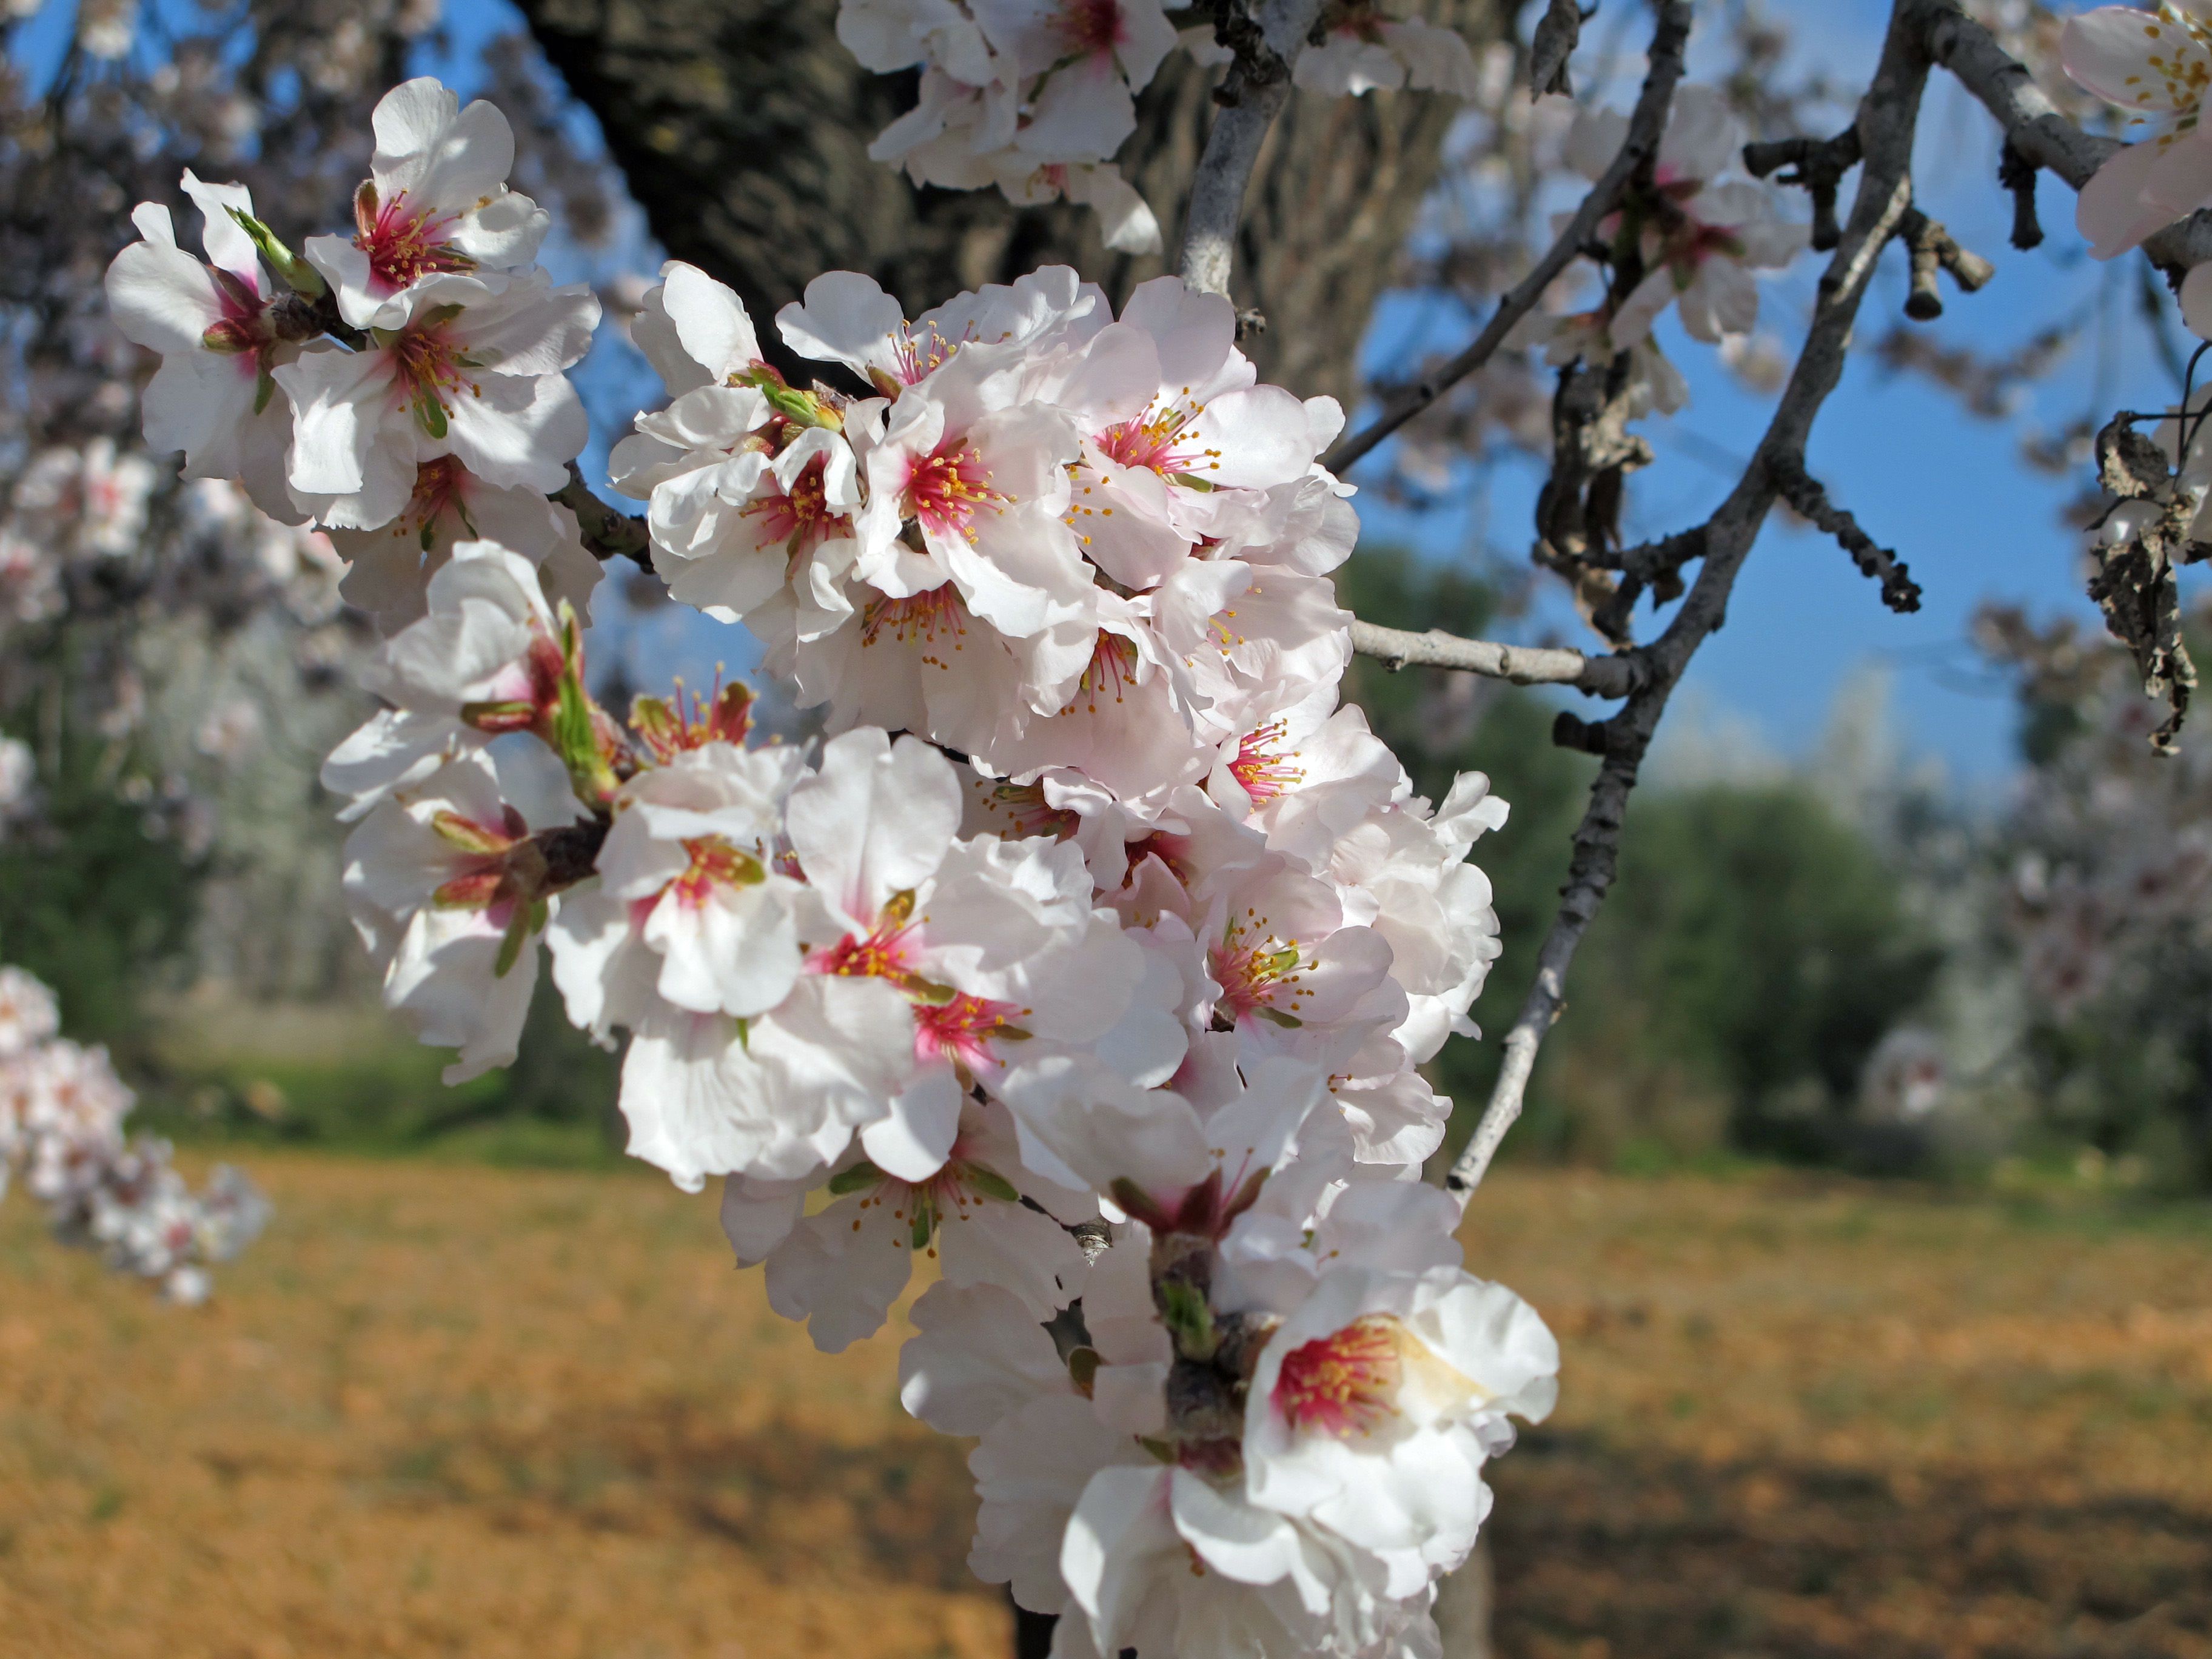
x=1803 y=492
x=1522 y=664
x=1886 y=119
x=1249 y=96
x=1645 y=127
x=609 y=532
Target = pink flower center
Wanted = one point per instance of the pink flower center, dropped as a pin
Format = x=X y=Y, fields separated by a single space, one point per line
x=1343 y=1384
x=800 y=518
x=882 y=955
x=403 y=245
x=428 y=367
x=1259 y=974
x=921 y=1208
x=1111 y=671
x=919 y=355
x=919 y=619
x=714 y=863
x=944 y=488
x=964 y=1029
x=1263 y=774
x=1028 y=811
x=1090 y=26
x=1157 y=440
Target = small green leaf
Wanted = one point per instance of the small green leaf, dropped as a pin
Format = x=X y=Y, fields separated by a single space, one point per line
x=1277 y=1017
x=429 y=414
x=265 y=388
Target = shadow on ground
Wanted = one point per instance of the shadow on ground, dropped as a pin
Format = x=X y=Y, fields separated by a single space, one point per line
x=1603 y=1551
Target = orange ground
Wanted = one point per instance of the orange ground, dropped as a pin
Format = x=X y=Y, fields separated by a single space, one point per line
x=443 y=1410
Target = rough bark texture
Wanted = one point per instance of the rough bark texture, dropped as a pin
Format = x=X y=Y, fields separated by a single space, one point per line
x=742 y=127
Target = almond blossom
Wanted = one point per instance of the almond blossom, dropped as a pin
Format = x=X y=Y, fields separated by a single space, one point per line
x=435 y=202
x=450 y=890
x=2156 y=65
x=463 y=370
x=1363 y=51
x=62 y=1112
x=1700 y=235
x=214 y=396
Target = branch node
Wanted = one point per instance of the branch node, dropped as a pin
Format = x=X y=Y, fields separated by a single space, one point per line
x=1933 y=248
x=1817 y=166
x=607 y=532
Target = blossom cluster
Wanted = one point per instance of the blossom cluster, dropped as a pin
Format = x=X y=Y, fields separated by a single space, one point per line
x=1035 y=96
x=1693 y=241
x=403 y=387
x=1091 y=957
x=61 y=1109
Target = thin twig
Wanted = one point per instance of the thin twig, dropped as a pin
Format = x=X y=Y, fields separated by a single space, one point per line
x=1887 y=119
x=1251 y=94
x=1645 y=127
x=609 y=532
x=1804 y=493
x=1522 y=664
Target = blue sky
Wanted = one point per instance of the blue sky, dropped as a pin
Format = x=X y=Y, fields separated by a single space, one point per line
x=1947 y=491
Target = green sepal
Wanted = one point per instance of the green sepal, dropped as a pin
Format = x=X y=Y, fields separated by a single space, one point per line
x=1161 y=1451
x=1082 y=1368
x=1189 y=1320
x=297 y=274
x=863 y=1174
x=575 y=731
x=265 y=388
x=1277 y=1017
x=1192 y=481
x=527 y=920
x=989 y=1183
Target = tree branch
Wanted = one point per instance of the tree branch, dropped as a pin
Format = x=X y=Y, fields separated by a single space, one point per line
x=1887 y=119
x=1804 y=493
x=2033 y=125
x=1645 y=127
x=1248 y=97
x=609 y=532
x=1522 y=664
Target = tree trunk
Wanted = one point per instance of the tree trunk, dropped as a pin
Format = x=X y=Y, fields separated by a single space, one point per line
x=742 y=127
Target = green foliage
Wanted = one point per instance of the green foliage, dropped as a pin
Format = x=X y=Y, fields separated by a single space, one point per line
x=94 y=899
x=1765 y=945
x=1753 y=952
x=351 y=1080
